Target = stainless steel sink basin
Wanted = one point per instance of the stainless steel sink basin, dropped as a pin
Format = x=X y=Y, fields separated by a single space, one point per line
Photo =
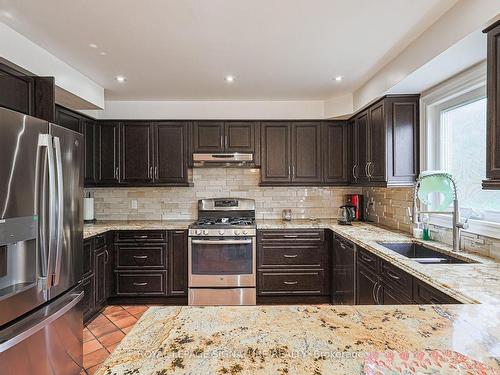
x=422 y=254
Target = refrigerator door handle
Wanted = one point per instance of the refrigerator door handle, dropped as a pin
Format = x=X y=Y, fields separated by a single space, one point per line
x=41 y=209
x=60 y=212
x=31 y=330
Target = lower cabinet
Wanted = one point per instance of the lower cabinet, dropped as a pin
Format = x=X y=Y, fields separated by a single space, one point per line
x=100 y=260
x=343 y=262
x=141 y=283
x=178 y=263
x=379 y=282
x=88 y=304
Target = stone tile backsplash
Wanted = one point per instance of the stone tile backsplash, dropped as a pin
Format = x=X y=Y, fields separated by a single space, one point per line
x=389 y=208
x=181 y=202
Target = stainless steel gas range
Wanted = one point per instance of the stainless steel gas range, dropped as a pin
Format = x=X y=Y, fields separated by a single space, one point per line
x=222 y=253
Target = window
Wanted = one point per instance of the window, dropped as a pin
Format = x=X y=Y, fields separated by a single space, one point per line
x=454 y=140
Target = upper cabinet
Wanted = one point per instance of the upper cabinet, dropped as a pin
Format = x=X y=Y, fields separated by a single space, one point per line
x=141 y=153
x=291 y=153
x=336 y=147
x=385 y=142
x=224 y=136
x=492 y=180
x=68 y=119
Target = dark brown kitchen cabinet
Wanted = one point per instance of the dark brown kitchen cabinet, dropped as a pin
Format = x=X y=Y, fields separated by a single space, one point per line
x=177 y=263
x=107 y=153
x=68 y=119
x=136 y=153
x=88 y=302
x=170 y=152
x=100 y=275
x=366 y=286
x=88 y=130
x=208 y=136
x=87 y=258
x=239 y=136
x=385 y=142
x=343 y=276
x=492 y=180
x=335 y=153
x=426 y=294
x=291 y=153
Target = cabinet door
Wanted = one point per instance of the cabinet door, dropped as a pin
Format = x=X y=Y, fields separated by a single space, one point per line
x=107 y=157
x=88 y=257
x=239 y=136
x=16 y=90
x=208 y=136
x=388 y=296
x=361 y=134
x=100 y=277
x=88 y=302
x=366 y=285
x=67 y=119
x=493 y=110
x=343 y=272
x=275 y=149
x=170 y=150
x=335 y=160
x=136 y=162
x=376 y=144
x=306 y=152
x=177 y=263
x=88 y=130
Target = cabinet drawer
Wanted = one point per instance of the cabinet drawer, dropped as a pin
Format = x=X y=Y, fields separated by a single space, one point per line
x=426 y=294
x=130 y=256
x=368 y=259
x=141 y=236
x=282 y=283
x=294 y=236
x=141 y=283
x=396 y=278
x=99 y=241
x=88 y=258
x=279 y=256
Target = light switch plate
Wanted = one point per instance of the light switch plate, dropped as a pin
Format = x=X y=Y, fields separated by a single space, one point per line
x=133 y=204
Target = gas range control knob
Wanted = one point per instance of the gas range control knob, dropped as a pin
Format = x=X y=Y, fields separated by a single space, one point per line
x=236 y=232
x=245 y=232
x=221 y=231
x=205 y=232
x=198 y=232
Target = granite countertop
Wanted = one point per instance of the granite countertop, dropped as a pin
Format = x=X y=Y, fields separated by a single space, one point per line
x=317 y=339
x=99 y=227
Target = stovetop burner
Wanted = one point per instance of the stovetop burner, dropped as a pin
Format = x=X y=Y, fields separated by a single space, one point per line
x=230 y=221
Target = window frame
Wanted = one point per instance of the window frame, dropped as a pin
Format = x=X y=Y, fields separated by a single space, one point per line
x=463 y=88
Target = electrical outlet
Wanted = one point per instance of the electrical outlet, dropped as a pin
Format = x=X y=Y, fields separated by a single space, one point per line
x=133 y=204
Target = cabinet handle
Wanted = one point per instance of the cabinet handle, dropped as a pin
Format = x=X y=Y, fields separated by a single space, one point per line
x=290 y=282
x=366 y=171
x=373 y=292
x=151 y=172
x=354 y=168
x=141 y=237
x=225 y=141
x=290 y=255
x=290 y=236
x=179 y=232
x=106 y=256
x=365 y=258
x=378 y=293
x=293 y=171
x=221 y=141
x=289 y=171
x=140 y=284
x=156 y=173
x=116 y=173
x=392 y=276
x=140 y=257
x=342 y=246
x=370 y=165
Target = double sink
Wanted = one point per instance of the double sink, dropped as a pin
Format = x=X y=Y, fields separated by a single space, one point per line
x=422 y=254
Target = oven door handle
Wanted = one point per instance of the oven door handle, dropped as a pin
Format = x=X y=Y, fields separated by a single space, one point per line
x=221 y=242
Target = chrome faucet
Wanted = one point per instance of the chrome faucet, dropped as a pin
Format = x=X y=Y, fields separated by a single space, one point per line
x=457 y=225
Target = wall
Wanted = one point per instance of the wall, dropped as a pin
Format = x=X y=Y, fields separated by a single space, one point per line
x=180 y=202
x=390 y=209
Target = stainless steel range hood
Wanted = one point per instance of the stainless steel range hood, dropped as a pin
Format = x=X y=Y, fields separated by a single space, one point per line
x=234 y=159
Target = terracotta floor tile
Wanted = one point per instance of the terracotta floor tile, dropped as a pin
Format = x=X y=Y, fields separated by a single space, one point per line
x=94 y=358
x=111 y=338
x=136 y=309
x=125 y=322
x=87 y=335
x=118 y=315
x=127 y=329
x=91 y=346
x=100 y=320
x=111 y=309
x=93 y=370
x=104 y=330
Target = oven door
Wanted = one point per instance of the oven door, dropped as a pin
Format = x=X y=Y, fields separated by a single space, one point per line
x=222 y=262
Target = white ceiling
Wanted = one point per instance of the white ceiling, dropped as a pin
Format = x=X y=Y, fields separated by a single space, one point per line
x=175 y=50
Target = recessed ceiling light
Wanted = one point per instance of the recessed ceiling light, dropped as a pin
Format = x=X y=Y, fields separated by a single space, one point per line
x=120 y=79
x=92 y=45
x=102 y=53
x=338 y=78
x=229 y=79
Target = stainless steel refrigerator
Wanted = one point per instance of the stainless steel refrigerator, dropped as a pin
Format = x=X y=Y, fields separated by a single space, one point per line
x=41 y=239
